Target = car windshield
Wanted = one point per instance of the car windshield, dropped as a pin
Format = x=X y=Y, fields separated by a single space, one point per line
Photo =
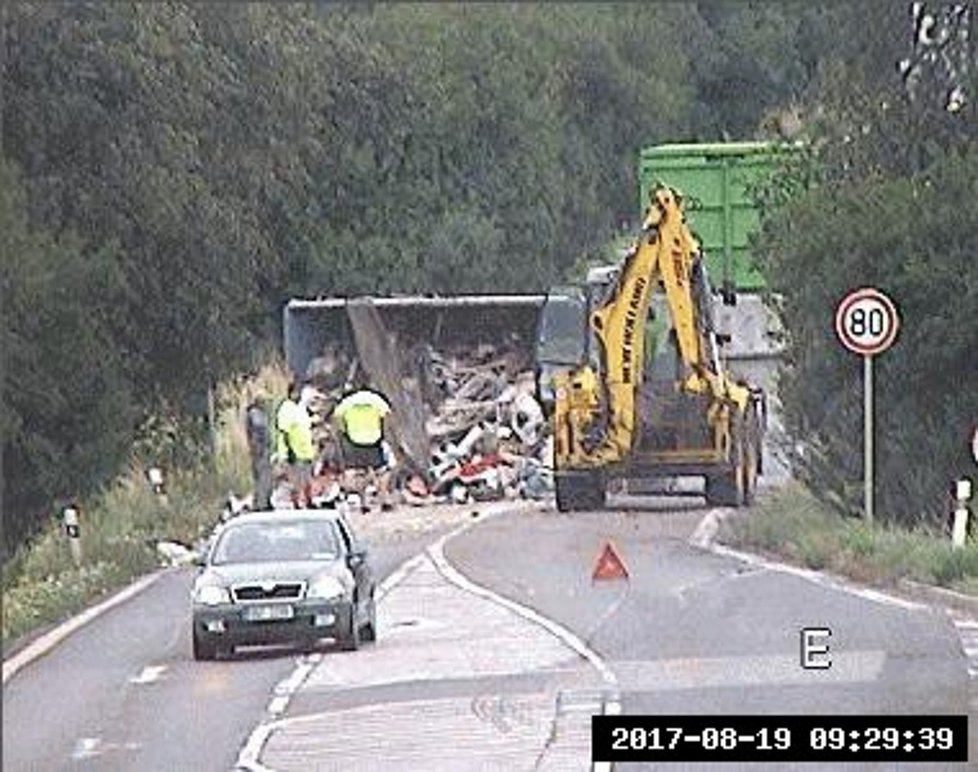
x=268 y=542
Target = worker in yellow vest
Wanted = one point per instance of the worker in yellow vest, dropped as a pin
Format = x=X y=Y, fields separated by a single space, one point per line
x=295 y=446
x=359 y=418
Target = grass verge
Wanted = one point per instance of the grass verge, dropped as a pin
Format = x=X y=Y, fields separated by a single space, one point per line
x=793 y=524
x=120 y=527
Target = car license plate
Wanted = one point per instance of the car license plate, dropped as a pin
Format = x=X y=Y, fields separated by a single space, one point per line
x=268 y=613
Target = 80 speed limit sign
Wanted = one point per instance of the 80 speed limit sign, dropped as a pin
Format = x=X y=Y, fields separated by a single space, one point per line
x=866 y=321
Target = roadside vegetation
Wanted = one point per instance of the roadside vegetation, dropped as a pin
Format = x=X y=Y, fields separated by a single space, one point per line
x=795 y=525
x=170 y=174
x=121 y=525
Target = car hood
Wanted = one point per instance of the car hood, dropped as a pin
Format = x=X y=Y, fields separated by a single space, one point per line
x=291 y=571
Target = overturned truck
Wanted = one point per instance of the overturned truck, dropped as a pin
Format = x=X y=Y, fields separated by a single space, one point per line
x=462 y=370
x=458 y=371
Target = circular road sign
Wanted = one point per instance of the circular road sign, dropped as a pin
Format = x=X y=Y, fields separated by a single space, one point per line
x=866 y=321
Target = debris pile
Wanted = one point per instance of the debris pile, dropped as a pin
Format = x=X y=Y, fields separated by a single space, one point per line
x=488 y=434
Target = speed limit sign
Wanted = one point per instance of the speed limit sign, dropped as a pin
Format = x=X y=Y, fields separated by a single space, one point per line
x=866 y=321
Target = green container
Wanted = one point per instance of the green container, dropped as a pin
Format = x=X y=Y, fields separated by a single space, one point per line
x=717 y=181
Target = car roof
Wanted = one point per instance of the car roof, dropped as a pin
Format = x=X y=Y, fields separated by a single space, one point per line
x=282 y=515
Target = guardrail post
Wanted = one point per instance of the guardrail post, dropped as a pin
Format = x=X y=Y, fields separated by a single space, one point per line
x=959 y=529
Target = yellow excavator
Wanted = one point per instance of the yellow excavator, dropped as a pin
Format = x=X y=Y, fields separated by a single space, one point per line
x=638 y=386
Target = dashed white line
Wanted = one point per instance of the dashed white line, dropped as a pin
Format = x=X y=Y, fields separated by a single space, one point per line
x=149 y=674
x=286 y=688
x=86 y=747
x=248 y=758
x=48 y=641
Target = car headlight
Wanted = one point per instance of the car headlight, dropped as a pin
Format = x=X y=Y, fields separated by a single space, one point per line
x=211 y=595
x=326 y=588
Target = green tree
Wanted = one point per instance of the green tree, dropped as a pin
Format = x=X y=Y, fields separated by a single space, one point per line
x=66 y=413
x=913 y=238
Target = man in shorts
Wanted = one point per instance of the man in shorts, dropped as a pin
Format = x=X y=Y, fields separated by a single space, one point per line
x=359 y=418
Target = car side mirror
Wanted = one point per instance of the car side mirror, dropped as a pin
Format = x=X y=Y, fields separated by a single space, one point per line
x=356 y=558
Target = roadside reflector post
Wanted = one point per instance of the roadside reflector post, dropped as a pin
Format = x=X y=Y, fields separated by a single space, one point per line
x=959 y=530
x=69 y=516
x=157 y=482
x=867 y=322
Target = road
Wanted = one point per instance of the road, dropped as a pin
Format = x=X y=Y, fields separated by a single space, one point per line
x=694 y=632
x=461 y=680
x=123 y=693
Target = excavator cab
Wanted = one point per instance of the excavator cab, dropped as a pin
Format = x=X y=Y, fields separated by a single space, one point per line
x=562 y=337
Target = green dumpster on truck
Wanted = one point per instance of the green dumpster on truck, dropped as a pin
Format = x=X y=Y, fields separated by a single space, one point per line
x=717 y=180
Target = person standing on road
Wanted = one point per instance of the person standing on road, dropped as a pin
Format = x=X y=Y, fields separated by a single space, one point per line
x=257 y=430
x=295 y=446
x=359 y=417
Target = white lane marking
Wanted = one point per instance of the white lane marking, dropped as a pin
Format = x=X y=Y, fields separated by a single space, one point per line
x=612 y=705
x=286 y=688
x=403 y=571
x=706 y=530
x=49 y=640
x=747 y=670
x=968 y=635
x=463 y=636
x=149 y=674
x=560 y=632
x=429 y=734
x=278 y=705
x=248 y=758
x=817 y=577
x=249 y=755
x=86 y=747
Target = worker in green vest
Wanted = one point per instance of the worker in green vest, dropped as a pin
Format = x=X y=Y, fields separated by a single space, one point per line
x=359 y=417
x=295 y=446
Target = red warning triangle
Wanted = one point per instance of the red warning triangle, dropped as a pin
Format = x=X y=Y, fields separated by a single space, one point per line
x=609 y=565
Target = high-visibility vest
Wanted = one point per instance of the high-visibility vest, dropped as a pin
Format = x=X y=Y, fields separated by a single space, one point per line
x=294 y=432
x=361 y=417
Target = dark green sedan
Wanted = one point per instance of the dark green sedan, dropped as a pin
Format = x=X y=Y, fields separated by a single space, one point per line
x=284 y=577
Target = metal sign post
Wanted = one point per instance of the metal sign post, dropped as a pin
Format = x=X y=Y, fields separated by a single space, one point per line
x=867 y=322
x=868 y=436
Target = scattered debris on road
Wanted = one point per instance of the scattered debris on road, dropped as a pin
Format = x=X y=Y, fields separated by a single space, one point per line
x=485 y=432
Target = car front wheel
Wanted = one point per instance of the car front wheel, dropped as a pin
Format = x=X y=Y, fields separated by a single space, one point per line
x=350 y=640
x=369 y=632
x=203 y=648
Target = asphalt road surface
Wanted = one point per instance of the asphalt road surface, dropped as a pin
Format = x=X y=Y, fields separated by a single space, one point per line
x=124 y=693
x=462 y=678
x=694 y=632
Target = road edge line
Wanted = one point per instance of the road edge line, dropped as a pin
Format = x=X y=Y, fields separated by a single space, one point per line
x=704 y=538
x=53 y=638
x=610 y=707
x=568 y=638
x=248 y=757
